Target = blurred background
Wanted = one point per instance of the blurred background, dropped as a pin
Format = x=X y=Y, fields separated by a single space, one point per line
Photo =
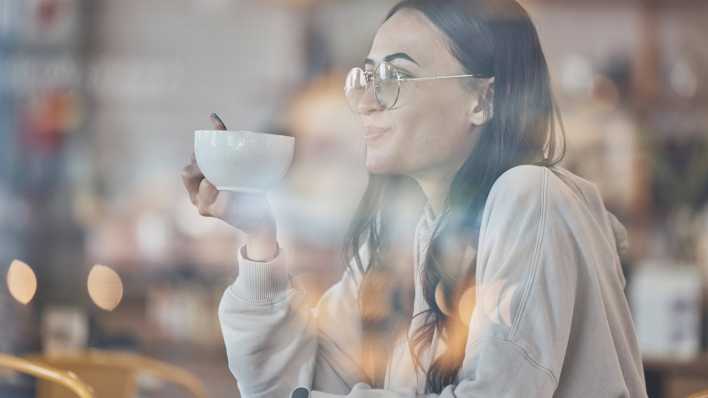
x=100 y=247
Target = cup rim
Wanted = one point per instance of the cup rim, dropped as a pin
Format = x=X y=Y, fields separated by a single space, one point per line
x=247 y=133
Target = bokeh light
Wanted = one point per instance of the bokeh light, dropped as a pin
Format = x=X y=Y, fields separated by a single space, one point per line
x=21 y=281
x=441 y=301
x=105 y=287
x=468 y=301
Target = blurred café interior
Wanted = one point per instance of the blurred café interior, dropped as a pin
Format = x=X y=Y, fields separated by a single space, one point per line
x=105 y=262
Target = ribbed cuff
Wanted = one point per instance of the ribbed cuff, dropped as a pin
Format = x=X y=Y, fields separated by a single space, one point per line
x=261 y=281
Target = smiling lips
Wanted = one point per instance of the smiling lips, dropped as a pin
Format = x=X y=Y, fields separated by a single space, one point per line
x=373 y=133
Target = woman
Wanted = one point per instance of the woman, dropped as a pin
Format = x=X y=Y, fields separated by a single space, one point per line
x=517 y=289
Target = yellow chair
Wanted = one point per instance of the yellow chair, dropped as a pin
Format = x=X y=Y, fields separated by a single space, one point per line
x=699 y=394
x=114 y=374
x=65 y=380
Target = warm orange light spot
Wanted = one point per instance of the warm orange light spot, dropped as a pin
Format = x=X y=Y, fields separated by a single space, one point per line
x=105 y=287
x=468 y=300
x=21 y=281
x=441 y=301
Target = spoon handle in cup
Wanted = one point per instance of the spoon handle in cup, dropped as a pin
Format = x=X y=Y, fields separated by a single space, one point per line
x=218 y=123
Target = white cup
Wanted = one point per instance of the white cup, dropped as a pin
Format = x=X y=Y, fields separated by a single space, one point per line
x=243 y=161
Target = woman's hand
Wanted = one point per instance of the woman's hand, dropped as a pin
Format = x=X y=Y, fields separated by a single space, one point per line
x=248 y=212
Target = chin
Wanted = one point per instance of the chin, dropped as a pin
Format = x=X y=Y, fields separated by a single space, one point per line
x=381 y=165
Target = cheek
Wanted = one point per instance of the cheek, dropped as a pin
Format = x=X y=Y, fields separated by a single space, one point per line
x=426 y=132
x=430 y=132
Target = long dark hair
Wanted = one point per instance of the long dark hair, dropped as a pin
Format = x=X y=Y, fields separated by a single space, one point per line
x=490 y=38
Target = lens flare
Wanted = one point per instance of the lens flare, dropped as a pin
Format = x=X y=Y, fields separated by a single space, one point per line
x=21 y=281
x=468 y=301
x=441 y=301
x=105 y=287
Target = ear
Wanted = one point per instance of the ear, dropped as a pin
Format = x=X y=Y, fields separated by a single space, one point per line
x=482 y=104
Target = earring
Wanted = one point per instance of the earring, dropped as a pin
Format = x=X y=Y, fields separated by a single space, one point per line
x=486 y=116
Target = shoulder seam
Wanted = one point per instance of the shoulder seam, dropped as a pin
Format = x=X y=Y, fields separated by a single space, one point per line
x=535 y=257
x=534 y=363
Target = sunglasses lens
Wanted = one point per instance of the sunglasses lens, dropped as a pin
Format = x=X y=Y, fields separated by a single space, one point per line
x=355 y=87
x=387 y=87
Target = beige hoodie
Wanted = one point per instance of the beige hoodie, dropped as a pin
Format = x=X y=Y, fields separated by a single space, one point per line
x=550 y=320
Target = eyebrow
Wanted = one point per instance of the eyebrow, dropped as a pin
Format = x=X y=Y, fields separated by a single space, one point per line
x=391 y=57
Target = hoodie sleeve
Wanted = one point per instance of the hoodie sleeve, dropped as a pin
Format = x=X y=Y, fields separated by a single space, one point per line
x=525 y=289
x=276 y=343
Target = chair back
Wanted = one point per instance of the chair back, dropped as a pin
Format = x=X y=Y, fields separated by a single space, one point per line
x=114 y=374
x=64 y=381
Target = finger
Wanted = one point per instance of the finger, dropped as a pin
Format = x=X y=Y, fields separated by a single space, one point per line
x=207 y=192
x=192 y=194
x=218 y=123
x=206 y=197
x=191 y=179
x=192 y=171
x=221 y=204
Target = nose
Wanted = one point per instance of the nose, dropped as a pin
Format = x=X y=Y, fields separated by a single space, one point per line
x=368 y=102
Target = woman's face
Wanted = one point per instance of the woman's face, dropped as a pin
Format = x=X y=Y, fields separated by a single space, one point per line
x=430 y=132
